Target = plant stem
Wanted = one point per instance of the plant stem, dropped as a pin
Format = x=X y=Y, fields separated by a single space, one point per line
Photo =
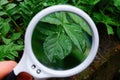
x=12 y=20
x=78 y=2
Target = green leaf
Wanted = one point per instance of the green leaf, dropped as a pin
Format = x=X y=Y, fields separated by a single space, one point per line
x=16 y=36
x=13 y=11
x=20 y=42
x=2 y=2
x=83 y=24
x=51 y=19
x=57 y=18
x=46 y=29
x=93 y=2
x=5 y=28
x=9 y=51
x=110 y=30
x=11 y=57
x=16 y=47
x=76 y=35
x=57 y=47
x=10 y=6
x=117 y=4
x=14 y=53
x=97 y=16
x=62 y=17
x=24 y=8
x=2 y=13
x=6 y=41
x=89 y=2
x=108 y=20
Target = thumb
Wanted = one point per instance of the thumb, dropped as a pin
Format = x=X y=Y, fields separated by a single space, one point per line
x=6 y=67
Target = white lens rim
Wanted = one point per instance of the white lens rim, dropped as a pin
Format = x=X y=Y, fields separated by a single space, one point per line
x=85 y=63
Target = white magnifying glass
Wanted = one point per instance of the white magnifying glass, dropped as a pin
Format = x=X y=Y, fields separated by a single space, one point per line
x=60 y=41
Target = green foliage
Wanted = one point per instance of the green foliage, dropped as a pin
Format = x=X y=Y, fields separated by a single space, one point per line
x=67 y=32
x=15 y=16
x=10 y=31
x=9 y=51
x=105 y=12
x=55 y=49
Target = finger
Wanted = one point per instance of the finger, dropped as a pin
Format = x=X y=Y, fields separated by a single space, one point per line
x=24 y=76
x=6 y=67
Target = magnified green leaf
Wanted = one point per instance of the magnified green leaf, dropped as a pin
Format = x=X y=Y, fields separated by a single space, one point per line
x=51 y=19
x=75 y=34
x=57 y=47
x=77 y=19
x=56 y=18
x=46 y=28
x=62 y=17
x=64 y=40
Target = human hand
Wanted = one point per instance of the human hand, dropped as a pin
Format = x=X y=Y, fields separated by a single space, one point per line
x=6 y=67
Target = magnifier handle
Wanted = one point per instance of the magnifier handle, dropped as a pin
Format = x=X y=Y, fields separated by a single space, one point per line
x=21 y=76
x=11 y=76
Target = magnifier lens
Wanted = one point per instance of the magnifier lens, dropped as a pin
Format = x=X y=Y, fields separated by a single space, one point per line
x=61 y=40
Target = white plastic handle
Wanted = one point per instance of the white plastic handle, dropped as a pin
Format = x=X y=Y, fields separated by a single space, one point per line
x=29 y=59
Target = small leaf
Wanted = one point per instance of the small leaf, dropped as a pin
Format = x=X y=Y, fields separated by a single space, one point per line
x=93 y=2
x=97 y=16
x=20 y=42
x=57 y=47
x=117 y=4
x=16 y=36
x=110 y=30
x=10 y=6
x=11 y=57
x=5 y=28
x=2 y=13
x=6 y=41
x=14 y=53
x=74 y=2
x=17 y=47
x=2 y=2
x=13 y=11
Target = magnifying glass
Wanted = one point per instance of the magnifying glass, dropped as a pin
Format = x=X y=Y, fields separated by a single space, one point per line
x=60 y=41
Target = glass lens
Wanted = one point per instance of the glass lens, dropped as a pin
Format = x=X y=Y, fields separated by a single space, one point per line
x=61 y=40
